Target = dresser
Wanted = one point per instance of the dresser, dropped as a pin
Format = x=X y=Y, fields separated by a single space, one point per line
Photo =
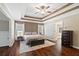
x=67 y=38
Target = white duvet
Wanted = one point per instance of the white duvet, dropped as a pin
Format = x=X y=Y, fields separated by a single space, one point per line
x=38 y=37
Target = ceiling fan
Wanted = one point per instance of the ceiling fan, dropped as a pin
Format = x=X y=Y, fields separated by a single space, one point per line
x=43 y=9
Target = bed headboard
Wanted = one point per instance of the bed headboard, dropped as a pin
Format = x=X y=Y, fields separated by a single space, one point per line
x=31 y=28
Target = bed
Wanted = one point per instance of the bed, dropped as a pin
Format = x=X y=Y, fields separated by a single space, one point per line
x=33 y=40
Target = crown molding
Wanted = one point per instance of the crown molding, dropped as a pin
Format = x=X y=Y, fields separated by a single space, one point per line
x=58 y=9
x=28 y=21
x=74 y=8
x=33 y=17
x=71 y=9
x=40 y=18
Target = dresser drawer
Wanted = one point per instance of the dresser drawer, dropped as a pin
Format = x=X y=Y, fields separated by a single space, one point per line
x=67 y=37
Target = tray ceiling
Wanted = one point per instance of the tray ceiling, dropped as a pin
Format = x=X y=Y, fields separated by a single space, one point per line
x=19 y=10
x=27 y=11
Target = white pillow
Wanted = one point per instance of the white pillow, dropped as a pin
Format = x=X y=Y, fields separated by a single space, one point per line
x=27 y=33
x=34 y=33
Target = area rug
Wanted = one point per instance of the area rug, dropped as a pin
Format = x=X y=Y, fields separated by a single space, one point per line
x=26 y=48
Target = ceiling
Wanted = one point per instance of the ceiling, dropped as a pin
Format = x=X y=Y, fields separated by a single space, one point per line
x=27 y=11
x=18 y=10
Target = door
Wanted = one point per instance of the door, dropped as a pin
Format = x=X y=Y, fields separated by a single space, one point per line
x=58 y=30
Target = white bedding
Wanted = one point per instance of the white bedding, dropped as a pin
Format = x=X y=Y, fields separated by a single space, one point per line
x=27 y=37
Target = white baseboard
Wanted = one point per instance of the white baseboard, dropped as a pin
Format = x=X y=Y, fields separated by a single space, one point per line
x=75 y=47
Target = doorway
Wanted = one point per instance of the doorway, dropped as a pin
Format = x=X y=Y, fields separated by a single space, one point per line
x=58 y=33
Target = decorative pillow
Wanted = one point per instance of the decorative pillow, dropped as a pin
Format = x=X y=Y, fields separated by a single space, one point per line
x=34 y=33
x=27 y=33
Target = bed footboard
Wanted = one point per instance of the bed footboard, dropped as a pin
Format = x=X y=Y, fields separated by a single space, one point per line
x=35 y=42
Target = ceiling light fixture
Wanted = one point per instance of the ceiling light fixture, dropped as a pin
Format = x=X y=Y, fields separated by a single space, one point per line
x=42 y=8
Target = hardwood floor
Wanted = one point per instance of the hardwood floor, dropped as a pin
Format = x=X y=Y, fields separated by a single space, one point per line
x=10 y=51
x=48 y=51
x=70 y=51
x=4 y=51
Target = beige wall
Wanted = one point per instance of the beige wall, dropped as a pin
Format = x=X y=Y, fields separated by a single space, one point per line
x=69 y=23
x=72 y=23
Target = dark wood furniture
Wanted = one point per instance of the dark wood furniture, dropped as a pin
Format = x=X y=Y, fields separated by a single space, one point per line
x=35 y=42
x=67 y=38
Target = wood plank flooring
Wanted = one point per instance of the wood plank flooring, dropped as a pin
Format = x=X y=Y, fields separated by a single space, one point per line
x=47 y=51
x=10 y=51
x=70 y=51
